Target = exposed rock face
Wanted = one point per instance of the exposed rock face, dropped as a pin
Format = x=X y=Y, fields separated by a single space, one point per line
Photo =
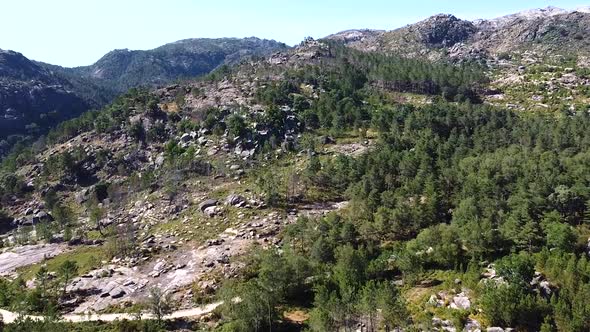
x=27 y=255
x=563 y=31
x=444 y=30
x=548 y=29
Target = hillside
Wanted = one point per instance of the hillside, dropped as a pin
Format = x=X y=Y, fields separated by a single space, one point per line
x=176 y=188
x=182 y=59
x=32 y=97
x=37 y=96
x=324 y=187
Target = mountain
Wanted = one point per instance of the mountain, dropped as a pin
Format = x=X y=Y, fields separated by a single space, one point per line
x=325 y=187
x=182 y=59
x=310 y=181
x=35 y=96
x=32 y=95
x=544 y=30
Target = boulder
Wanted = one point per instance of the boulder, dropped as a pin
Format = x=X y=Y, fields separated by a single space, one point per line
x=435 y=301
x=234 y=200
x=211 y=211
x=213 y=151
x=116 y=293
x=75 y=241
x=82 y=196
x=202 y=140
x=160 y=266
x=43 y=216
x=208 y=287
x=159 y=160
x=185 y=138
x=108 y=288
x=472 y=326
x=326 y=140
x=207 y=204
x=224 y=259
x=546 y=288
x=461 y=302
x=105 y=222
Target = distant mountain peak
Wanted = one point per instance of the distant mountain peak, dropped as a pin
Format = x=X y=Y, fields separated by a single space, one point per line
x=549 y=29
x=14 y=65
x=534 y=14
x=443 y=30
x=539 y=13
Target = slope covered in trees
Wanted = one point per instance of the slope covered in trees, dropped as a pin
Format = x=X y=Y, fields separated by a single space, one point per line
x=451 y=197
x=449 y=187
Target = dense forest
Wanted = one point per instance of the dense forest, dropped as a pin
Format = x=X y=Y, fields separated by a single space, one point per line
x=450 y=187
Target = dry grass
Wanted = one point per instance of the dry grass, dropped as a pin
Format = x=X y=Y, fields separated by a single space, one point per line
x=296 y=316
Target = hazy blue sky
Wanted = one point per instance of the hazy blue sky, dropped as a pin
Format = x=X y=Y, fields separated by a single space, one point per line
x=79 y=32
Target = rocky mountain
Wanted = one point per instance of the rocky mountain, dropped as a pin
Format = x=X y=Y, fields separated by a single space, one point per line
x=321 y=187
x=273 y=171
x=544 y=30
x=35 y=96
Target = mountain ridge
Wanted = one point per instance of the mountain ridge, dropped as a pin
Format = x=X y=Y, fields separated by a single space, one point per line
x=35 y=96
x=545 y=29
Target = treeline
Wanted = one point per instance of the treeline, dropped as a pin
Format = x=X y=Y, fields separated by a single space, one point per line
x=452 y=82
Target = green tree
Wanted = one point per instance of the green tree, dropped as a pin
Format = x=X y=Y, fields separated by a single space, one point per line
x=517 y=269
x=236 y=125
x=66 y=271
x=136 y=131
x=159 y=303
x=561 y=236
x=248 y=307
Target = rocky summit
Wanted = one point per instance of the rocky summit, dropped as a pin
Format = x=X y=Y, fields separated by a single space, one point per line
x=429 y=178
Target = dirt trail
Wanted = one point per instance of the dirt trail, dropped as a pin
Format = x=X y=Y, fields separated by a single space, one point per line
x=9 y=316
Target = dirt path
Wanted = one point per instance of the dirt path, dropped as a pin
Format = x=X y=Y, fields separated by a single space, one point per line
x=9 y=316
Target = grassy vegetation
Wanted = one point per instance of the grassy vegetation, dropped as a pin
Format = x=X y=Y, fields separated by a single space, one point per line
x=87 y=258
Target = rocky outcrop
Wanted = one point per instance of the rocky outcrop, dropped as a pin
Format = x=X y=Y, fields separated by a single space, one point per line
x=546 y=30
x=444 y=30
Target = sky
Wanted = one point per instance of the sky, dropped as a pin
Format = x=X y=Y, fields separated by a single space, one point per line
x=78 y=32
